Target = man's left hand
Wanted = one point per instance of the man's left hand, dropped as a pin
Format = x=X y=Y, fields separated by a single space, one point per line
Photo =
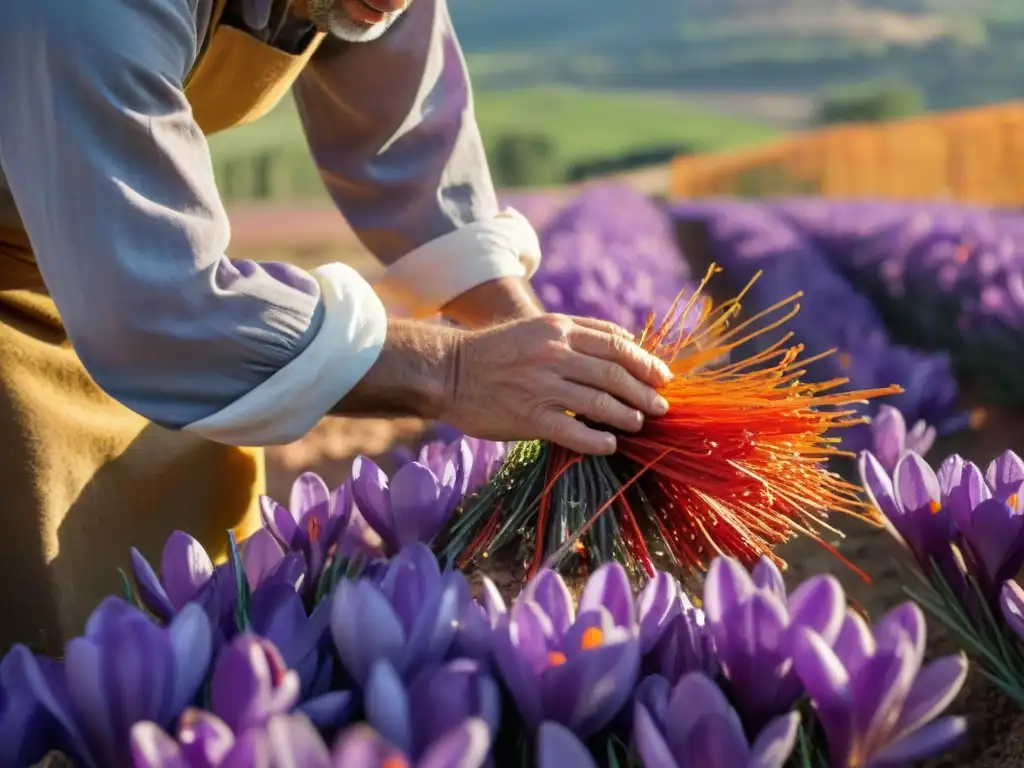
x=494 y=302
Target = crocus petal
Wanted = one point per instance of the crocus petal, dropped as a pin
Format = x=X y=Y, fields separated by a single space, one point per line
x=880 y=690
x=329 y=711
x=933 y=739
x=361 y=746
x=774 y=745
x=364 y=628
x=906 y=618
x=1011 y=603
x=465 y=747
x=372 y=496
x=1006 y=474
x=819 y=604
x=520 y=655
x=656 y=604
x=714 y=740
x=278 y=519
x=83 y=664
x=650 y=744
x=295 y=743
x=433 y=632
x=308 y=491
x=591 y=687
x=558 y=747
x=492 y=601
x=152 y=748
x=855 y=641
x=889 y=433
x=184 y=568
x=766 y=576
x=250 y=750
x=828 y=686
x=387 y=706
x=726 y=585
x=549 y=592
x=191 y=640
x=609 y=587
x=949 y=473
x=995 y=536
x=878 y=486
x=261 y=554
x=151 y=591
x=695 y=698
x=915 y=483
x=205 y=739
x=414 y=498
x=934 y=689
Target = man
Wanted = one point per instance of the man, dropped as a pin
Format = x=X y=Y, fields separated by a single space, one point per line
x=135 y=357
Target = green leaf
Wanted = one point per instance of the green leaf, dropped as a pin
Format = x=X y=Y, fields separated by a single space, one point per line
x=126 y=589
x=242 y=620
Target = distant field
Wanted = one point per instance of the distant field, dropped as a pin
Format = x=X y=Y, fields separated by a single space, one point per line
x=584 y=124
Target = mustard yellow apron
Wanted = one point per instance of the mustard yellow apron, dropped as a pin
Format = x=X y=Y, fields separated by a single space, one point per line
x=82 y=478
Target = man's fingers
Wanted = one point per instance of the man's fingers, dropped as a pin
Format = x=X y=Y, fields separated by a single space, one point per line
x=616 y=349
x=604 y=327
x=612 y=379
x=562 y=429
x=597 y=405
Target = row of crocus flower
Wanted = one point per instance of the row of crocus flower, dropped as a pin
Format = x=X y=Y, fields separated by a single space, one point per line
x=965 y=529
x=402 y=667
x=334 y=637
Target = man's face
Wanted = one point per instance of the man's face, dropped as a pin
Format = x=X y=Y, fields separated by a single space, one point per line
x=357 y=21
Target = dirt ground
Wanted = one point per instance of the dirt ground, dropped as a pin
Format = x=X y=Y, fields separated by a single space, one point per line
x=997 y=727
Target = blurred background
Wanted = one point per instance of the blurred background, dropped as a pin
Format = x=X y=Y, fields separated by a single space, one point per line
x=867 y=152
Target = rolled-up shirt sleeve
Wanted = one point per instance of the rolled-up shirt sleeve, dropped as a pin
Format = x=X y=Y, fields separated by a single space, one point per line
x=113 y=181
x=391 y=126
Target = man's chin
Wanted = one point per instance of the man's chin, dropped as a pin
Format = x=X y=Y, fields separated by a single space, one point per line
x=353 y=31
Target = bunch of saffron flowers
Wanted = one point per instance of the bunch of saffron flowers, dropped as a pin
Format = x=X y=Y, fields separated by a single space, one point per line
x=396 y=664
x=965 y=530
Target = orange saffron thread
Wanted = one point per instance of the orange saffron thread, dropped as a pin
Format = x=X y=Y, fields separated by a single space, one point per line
x=737 y=465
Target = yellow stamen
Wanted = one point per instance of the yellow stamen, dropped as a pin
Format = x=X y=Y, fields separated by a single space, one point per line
x=1013 y=500
x=313 y=528
x=556 y=659
x=934 y=506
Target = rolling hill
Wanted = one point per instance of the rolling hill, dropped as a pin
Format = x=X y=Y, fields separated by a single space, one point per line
x=959 y=52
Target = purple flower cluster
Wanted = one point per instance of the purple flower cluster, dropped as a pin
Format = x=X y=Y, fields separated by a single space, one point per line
x=946 y=276
x=402 y=667
x=746 y=238
x=965 y=529
x=611 y=254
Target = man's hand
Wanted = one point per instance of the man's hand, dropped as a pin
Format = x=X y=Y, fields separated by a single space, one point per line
x=493 y=302
x=516 y=381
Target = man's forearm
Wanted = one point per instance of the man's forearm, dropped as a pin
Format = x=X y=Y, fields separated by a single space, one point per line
x=412 y=377
x=497 y=301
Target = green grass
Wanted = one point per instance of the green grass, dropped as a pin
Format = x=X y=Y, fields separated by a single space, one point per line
x=585 y=125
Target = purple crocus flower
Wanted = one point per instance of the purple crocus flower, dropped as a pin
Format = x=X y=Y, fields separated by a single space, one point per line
x=890 y=437
x=27 y=730
x=753 y=624
x=558 y=747
x=414 y=505
x=467 y=746
x=313 y=523
x=437 y=701
x=477 y=622
x=575 y=667
x=912 y=506
x=409 y=619
x=185 y=569
x=250 y=684
x=261 y=555
x=124 y=670
x=205 y=741
x=692 y=724
x=674 y=638
x=874 y=700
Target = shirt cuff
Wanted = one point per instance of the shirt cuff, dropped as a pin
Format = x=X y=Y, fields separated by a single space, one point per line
x=290 y=403
x=427 y=278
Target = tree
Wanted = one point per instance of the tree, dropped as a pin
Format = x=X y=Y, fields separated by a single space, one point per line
x=524 y=159
x=868 y=103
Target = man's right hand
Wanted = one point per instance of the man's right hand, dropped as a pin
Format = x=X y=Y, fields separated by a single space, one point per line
x=517 y=381
x=521 y=380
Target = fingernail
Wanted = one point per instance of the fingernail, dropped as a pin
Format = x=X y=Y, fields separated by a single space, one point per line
x=660 y=406
x=610 y=443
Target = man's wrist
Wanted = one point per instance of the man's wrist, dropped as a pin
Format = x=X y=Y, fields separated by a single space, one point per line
x=494 y=302
x=415 y=374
